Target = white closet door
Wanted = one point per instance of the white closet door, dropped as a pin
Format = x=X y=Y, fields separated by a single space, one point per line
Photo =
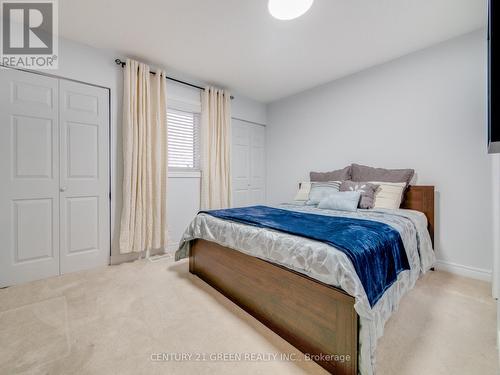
x=240 y=166
x=84 y=176
x=248 y=163
x=29 y=170
x=257 y=164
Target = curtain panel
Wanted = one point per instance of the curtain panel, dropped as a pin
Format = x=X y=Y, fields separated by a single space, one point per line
x=215 y=149
x=145 y=160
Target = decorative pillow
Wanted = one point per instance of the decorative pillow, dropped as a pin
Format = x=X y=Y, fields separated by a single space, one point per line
x=303 y=193
x=366 y=189
x=343 y=201
x=320 y=190
x=389 y=194
x=338 y=175
x=364 y=173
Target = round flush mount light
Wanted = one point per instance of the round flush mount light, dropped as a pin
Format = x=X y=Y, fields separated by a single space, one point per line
x=288 y=9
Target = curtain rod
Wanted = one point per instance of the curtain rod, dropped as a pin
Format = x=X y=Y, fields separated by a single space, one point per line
x=122 y=64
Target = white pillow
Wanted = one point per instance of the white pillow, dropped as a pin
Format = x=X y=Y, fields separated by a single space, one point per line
x=303 y=193
x=389 y=194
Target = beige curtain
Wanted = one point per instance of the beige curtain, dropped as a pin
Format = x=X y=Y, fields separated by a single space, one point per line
x=215 y=149
x=145 y=164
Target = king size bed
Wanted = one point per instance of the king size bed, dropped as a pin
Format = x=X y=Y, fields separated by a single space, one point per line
x=323 y=290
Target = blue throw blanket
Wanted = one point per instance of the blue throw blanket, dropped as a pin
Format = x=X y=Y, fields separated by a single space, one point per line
x=375 y=249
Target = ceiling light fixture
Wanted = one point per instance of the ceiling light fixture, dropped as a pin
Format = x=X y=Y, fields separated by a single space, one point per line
x=288 y=9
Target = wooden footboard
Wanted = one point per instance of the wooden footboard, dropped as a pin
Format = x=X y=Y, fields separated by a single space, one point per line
x=316 y=318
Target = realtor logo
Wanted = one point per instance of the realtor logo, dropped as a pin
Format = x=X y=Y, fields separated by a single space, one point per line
x=29 y=34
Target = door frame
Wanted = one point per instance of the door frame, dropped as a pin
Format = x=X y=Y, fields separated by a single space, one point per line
x=2 y=66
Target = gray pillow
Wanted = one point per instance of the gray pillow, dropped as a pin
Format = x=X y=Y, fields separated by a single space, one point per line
x=366 y=189
x=338 y=175
x=365 y=173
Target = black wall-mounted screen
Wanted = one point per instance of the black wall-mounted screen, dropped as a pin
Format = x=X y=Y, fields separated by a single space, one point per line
x=493 y=126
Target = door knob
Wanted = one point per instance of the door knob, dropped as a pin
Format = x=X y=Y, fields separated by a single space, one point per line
x=62 y=189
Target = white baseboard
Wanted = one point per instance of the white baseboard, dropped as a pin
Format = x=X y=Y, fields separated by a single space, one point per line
x=172 y=247
x=130 y=257
x=498 y=343
x=498 y=328
x=466 y=271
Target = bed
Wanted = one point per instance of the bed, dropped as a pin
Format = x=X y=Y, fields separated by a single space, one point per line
x=307 y=292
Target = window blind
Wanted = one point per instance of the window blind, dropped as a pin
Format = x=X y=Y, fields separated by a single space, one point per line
x=183 y=139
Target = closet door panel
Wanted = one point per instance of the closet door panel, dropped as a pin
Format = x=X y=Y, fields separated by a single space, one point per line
x=29 y=169
x=240 y=168
x=248 y=163
x=257 y=164
x=84 y=191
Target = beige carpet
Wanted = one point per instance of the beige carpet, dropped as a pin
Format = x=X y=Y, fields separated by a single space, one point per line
x=111 y=320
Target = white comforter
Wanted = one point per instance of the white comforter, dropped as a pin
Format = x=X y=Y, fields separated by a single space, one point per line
x=327 y=264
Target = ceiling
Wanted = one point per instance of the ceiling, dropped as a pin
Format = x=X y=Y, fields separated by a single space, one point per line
x=238 y=45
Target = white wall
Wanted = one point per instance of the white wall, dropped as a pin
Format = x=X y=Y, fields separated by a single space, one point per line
x=426 y=111
x=495 y=201
x=249 y=110
x=496 y=237
x=95 y=66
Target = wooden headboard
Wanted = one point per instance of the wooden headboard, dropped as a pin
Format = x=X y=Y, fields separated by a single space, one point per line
x=421 y=198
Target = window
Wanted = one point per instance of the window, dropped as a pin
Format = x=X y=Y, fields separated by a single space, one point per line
x=183 y=140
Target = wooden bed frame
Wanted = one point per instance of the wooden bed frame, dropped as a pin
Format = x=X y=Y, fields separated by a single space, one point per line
x=316 y=318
